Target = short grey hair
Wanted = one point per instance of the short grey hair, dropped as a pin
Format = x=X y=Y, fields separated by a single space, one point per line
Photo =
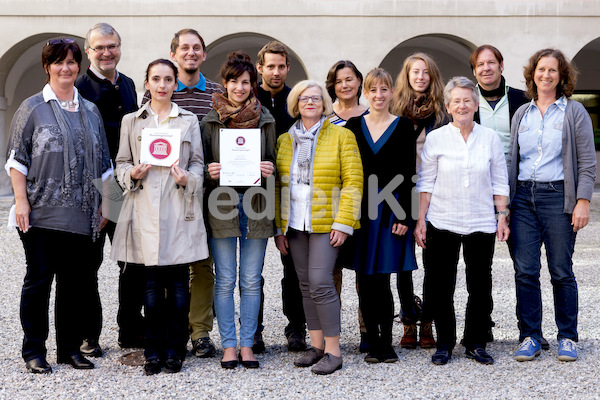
x=292 y=99
x=460 y=82
x=103 y=29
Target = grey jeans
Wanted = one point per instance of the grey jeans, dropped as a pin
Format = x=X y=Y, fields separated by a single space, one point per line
x=314 y=259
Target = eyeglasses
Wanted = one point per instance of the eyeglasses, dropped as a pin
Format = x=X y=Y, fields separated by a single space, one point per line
x=59 y=41
x=101 y=49
x=314 y=99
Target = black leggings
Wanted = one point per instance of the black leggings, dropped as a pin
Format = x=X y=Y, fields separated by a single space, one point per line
x=377 y=305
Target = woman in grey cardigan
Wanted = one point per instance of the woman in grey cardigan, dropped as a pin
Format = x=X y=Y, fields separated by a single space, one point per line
x=551 y=168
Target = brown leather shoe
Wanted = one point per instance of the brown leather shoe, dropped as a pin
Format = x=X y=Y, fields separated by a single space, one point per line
x=409 y=340
x=426 y=341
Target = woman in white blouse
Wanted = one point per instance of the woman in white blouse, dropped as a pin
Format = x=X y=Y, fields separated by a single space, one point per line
x=462 y=177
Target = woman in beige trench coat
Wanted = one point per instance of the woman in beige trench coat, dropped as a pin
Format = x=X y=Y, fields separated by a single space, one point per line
x=161 y=225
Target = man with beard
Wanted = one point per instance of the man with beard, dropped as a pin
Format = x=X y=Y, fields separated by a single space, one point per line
x=194 y=93
x=273 y=65
x=114 y=95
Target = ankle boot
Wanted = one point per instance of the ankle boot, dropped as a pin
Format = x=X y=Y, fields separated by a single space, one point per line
x=409 y=340
x=426 y=341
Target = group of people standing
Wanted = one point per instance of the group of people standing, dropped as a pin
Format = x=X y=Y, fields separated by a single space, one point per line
x=490 y=163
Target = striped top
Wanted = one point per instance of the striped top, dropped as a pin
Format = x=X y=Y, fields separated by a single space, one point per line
x=193 y=99
x=339 y=121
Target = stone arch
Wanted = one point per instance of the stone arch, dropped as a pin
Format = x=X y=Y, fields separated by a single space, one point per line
x=451 y=53
x=587 y=91
x=21 y=75
x=251 y=43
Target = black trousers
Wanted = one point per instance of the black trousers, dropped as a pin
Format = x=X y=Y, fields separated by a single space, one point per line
x=377 y=305
x=440 y=258
x=131 y=300
x=406 y=293
x=73 y=259
x=91 y=319
x=167 y=305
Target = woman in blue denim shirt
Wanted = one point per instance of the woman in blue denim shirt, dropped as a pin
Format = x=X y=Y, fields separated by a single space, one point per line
x=551 y=166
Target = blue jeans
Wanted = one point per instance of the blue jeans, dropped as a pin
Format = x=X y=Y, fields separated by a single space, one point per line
x=252 y=255
x=537 y=217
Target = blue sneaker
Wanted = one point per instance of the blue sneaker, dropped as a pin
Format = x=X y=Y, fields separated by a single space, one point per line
x=567 y=350
x=528 y=350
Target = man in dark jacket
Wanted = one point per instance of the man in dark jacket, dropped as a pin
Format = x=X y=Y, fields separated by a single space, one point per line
x=114 y=95
x=497 y=101
x=273 y=65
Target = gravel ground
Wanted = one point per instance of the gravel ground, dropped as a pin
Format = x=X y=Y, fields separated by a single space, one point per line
x=412 y=377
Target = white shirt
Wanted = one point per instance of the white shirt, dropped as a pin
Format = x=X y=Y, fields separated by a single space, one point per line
x=463 y=178
x=301 y=198
x=166 y=123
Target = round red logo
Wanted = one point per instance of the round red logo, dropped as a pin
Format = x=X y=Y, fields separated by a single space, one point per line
x=240 y=141
x=160 y=149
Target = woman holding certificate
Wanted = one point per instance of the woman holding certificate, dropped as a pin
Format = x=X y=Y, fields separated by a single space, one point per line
x=160 y=225
x=237 y=212
x=320 y=182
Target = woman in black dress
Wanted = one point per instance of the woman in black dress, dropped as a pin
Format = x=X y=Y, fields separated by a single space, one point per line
x=384 y=244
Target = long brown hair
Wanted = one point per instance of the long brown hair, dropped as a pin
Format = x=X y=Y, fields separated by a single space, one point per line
x=404 y=92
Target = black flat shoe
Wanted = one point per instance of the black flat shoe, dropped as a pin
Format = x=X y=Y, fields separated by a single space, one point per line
x=173 y=365
x=38 y=365
x=152 y=367
x=231 y=364
x=441 y=357
x=480 y=355
x=248 y=364
x=77 y=361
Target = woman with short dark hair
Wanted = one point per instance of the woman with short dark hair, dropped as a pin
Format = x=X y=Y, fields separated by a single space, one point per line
x=238 y=108
x=344 y=85
x=57 y=156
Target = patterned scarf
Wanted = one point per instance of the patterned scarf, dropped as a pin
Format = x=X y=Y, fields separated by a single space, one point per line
x=246 y=116
x=305 y=138
x=420 y=107
x=92 y=164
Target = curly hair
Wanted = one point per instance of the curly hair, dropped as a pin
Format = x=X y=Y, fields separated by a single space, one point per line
x=567 y=72
x=404 y=92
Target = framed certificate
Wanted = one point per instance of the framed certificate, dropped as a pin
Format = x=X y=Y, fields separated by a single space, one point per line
x=160 y=146
x=239 y=151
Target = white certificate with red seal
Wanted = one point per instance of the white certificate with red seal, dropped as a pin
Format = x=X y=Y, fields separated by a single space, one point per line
x=239 y=153
x=160 y=146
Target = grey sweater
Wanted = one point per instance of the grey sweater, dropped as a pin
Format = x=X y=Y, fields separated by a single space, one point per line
x=578 y=154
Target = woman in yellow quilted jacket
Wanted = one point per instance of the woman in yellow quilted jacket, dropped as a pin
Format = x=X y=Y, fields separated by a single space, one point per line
x=318 y=197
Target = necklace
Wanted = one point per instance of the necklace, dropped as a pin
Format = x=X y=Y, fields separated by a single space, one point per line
x=67 y=104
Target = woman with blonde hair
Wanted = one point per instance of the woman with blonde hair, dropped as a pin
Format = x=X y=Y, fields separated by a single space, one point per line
x=317 y=200
x=419 y=96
